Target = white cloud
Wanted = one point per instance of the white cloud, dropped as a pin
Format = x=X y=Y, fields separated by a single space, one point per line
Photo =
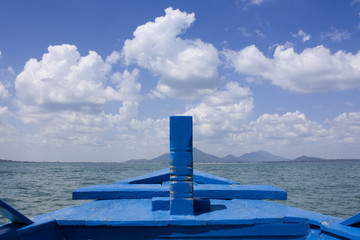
x=244 y=32
x=260 y=33
x=127 y=84
x=351 y=104
x=186 y=67
x=256 y=2
x=222 y=111
x=313 y=70
x=302 y=35
x=113 y=58
x=290 y=134
x=295 y=125
x=68 y=96
x=4 y=93
x=11 y=70
x=151 y=133
x=345 y=128
x=336 y=35
x=248 y=3
x=63 y=80
x=3 y=111
x=9 y=135
x=6 y=78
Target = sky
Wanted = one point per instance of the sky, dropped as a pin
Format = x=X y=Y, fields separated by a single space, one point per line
x=98 y=80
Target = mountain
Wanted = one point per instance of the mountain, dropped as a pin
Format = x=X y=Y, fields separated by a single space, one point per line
x=258 y=156
x=309 y=159
x=199 y=157
x=230 y=158
x=202 y=157
x=261 y=156
x=6 y=160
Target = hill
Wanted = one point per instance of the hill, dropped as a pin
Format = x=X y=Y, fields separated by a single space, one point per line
x=309 y=159
x=202 y=157
x=199 y=157
x=262 y=156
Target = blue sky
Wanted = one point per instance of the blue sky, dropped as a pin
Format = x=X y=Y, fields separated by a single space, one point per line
x=97 y=80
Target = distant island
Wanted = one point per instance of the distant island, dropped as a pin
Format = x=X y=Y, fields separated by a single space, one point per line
x=253 y=157
x=6 y=160
x=202 y=157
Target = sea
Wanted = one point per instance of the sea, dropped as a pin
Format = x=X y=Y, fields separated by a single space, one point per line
x=331 y=187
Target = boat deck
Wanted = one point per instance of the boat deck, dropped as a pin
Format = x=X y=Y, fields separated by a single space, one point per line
x=241 y=216
x=138 y=212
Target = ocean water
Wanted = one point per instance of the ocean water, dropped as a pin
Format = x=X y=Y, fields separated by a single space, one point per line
x=331 y=188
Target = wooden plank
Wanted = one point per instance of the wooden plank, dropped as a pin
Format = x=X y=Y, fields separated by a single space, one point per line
x=354 y=220
x=156 y=177
x=145 y=191
x=340 y=230
x=138 y=212
x=13 y=215
x=206 y=178
x=163 y=175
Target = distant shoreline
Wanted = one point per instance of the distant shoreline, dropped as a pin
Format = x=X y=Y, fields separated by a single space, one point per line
x=200 y=163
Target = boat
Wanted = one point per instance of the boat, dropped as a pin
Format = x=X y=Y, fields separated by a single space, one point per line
x=178 y=203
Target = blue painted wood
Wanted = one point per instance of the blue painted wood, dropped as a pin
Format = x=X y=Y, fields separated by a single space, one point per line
x=340 y=230
x=181 y=166
x=36 y=231
x=286 y=231
x=206 y=178
x=13 y=215
x=158 y=177
x=146 y=191
x=121 y=191
x=160 y=204
x=163 y=204
x=351 y=221
x=242 y=214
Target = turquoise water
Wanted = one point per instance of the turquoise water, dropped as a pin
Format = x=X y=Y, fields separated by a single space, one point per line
x=331 y=188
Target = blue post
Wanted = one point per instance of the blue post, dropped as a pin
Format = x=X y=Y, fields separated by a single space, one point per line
x=181 y=166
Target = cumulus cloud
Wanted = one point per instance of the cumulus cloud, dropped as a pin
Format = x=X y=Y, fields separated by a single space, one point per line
x=302 y=35
x=185 y=67
x=346 y=128
x=293 y=134
x=114 y=57
x=69 y=96
x=222 y=111
x=313 y=70
x=63 y=80
x=292 y=125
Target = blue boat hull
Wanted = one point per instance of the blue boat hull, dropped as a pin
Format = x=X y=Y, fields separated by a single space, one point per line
x=226 y=219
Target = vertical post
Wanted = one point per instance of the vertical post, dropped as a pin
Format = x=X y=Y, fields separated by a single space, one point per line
x=181 y=166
